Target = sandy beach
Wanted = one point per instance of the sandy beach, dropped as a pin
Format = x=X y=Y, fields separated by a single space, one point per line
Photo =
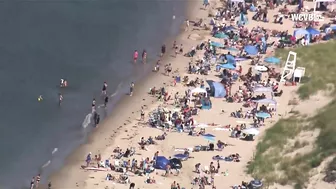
x=124 y=128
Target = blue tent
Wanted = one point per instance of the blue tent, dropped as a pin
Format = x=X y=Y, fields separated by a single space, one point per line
x=161 y=162
x=230 y=59
x=251 y=50
x=272 y=60
x=219 y=90
x=226 y=66
x=300 y=32
x=216 y=44
x=312 y=31
x=221 y=35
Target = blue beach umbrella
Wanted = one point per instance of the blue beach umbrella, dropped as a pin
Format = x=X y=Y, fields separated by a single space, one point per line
x=181 y=156
x=263 y=115
x=210 y=139
x=251 y=50
x=227 y=66
x=230 y=58
x=221 y=36
x=216 y=44
x=272 y=60
x=240 y=59
x=209 y=135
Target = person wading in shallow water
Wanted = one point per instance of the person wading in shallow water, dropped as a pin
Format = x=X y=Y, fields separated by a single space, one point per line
x=106 y=100
x=60 y=99
x=131 y=88
x=135 y=56
x=144 y=56
x=163 y=50
x=104 y=88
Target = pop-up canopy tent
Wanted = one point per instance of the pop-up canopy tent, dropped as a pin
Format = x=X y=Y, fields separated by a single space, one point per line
x=300 y=32
x=312 y=31
x=218 y=90
x=263 y=90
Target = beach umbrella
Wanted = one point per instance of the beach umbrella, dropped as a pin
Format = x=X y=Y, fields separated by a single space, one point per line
x=272 y=60
x=251 y=50
x=210 y=139
x=240 y=59
x=221 y=35
x=227 y=66
x=256 y=183
x=333 y=27
x=263 y=115
x=251 y=131
x=216 y=44
x=209 y=135
x=230 y=58
x=181 y=156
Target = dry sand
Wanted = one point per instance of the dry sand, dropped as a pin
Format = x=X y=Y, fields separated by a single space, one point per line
x=124 y=129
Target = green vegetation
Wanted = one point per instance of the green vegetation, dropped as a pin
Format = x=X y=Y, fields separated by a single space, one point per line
x=271 y=162
x=319 y=61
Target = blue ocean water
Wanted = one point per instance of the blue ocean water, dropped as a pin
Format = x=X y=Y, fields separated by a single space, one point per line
x=86 y=42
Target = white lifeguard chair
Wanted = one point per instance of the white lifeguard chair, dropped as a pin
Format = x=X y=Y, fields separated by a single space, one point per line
x=299 y=72
x=289 y=68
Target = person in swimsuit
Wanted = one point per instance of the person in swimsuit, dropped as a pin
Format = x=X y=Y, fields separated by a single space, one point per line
x=135 y=56
x=38 y=180
x=131 y=88
x=142 y=114
x=163 y=50
x=49 y=185
x=106 y=100
x=32 y=183
x=93 y=105
x=104 y=88
x=60 y=99
x=144 y=56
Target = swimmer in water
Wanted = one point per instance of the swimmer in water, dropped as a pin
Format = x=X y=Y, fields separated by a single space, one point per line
x=93 y=105
x=40 y=98
x=104 y=88
x=135 y=56
x=63 y=83
x=60 y=99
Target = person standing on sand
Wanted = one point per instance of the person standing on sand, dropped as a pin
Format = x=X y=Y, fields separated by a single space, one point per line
x=142 y=114
x=144 y=56
x=88 y=159
x=187 y=25
x=135 y=56
x=104 y=88
x=131 y=88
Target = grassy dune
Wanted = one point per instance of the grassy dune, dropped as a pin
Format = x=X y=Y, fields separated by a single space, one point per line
x=271 y=161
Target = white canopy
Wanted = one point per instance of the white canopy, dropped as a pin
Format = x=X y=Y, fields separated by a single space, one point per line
x=266 y=101
x=198 y=90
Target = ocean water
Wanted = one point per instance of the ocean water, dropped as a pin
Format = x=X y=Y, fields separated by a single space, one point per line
x=86 y=42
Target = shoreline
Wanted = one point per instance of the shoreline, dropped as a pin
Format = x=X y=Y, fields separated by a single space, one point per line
x=123 y=110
